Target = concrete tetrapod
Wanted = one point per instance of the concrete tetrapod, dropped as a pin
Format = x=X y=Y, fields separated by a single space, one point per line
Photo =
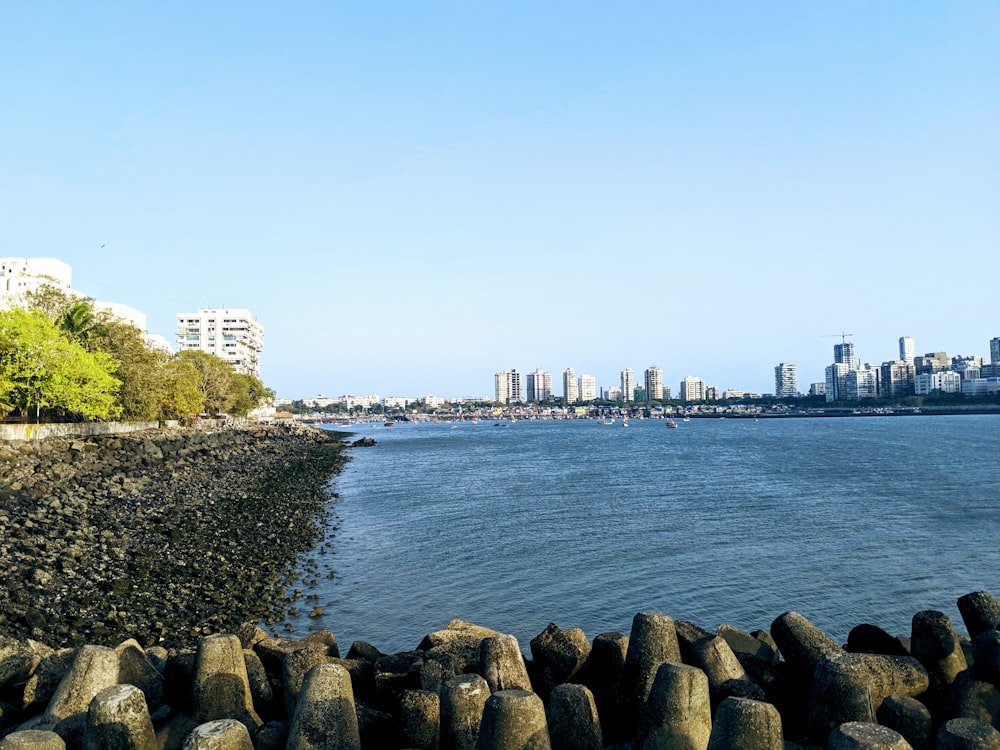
x=221 y=684
x=573 y=720
x=514 y=720
x=746 y=724
x=221 y=734
x=463 y=699
x=326 y=717
x=93 y=669
x=420 y=720
x=850 y=687
x=967 y=734
x=118 y=719
x=32 y=739
x=863 y=735
x=678 y=713
x=501 y=663
x=652 y=641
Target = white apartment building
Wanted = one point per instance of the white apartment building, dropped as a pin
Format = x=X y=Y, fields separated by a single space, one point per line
x=588 y=388
x=628 y=384
x=784 y=380
x=18 y=276
x=692 y=389
x=507 y=387
x=571 y=390
x=907 y=349
x=654 y=384
x=946 y=382
x=539 y=386
x=230 y=334
x=21 y=276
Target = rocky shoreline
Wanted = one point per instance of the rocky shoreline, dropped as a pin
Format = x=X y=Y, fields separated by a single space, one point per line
x=136 y=568
x=164 y=535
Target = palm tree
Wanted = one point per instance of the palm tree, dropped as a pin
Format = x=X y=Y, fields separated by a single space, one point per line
x=79 y=320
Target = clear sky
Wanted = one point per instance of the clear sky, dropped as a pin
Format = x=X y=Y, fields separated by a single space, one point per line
x=412 y=196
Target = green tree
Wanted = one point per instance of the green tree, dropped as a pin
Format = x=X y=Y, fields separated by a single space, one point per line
x=216 y=378
x=79 y=321
x=140 y=368
x=41 y=368
x=247 y=393
x=181 y=396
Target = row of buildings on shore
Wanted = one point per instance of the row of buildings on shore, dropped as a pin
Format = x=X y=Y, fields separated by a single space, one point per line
x=232 y=334
x=845 y=380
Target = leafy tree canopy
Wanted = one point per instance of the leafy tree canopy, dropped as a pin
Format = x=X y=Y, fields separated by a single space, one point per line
x=43 y=369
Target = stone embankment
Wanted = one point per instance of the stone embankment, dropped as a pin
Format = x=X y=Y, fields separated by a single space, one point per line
x=667 y=684
x=164 y=535
x=135 y=568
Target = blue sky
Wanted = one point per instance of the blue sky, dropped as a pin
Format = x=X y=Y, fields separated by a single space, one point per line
x=412 y=196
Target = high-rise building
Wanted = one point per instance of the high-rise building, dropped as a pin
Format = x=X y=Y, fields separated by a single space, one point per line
x=843 y=354
x=897 y=379
x=230 y=334
x=507 y=387
x=628 y=384
x=995 y=351
x=588 y=388
x=571 y=389
x=836 y=381
x=654 y=384
x=907 y=349
x=692 y=389
x=539 y=386
x=784 y=381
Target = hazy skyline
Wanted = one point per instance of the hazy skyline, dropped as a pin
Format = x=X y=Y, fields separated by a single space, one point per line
x=413 y=197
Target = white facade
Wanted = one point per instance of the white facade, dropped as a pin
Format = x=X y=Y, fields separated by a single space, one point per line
x=946 y=382
x=692 y=389
x=654 y=384
x=628 y=384
x=230 y=334
x=507 y=387
x=785 y=380
x=18 y=276
x=907 y=349
x=571 y=389
x=539 y=386
x=588 y=388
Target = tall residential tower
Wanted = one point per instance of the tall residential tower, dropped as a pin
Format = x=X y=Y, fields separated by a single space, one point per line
x=230 y=334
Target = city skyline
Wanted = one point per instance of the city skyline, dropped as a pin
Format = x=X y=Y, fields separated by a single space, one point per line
x=412 y=197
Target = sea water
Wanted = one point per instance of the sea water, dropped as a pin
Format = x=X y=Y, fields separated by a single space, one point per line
x=516 y=525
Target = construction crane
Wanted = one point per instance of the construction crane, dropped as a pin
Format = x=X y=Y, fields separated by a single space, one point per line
x=843 y=336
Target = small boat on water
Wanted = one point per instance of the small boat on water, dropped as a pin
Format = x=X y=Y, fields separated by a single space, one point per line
x=671 y=424
x=389 y=424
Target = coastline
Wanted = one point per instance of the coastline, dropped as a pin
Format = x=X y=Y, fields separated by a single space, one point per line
x=161 y=535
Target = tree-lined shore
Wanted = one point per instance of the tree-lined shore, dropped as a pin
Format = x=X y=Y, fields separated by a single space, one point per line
x=63 y=360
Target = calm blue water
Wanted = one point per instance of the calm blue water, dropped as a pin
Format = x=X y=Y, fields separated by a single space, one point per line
x=721 y=520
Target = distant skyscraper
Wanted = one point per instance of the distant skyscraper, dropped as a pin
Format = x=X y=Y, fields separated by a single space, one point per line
x=692 y=389
x=843 y=354
x=628 y=384
x=571 y=390
x=995 y=351
x=508 y=387
x=784 y=381
x=588 y=388
x=539 y=386
x=907 y=349
x=654 y=384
